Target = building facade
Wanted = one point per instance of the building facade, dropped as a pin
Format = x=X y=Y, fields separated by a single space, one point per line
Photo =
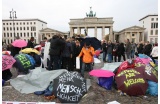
x=134 y=34
x=150 y=22
x=24 y=28
x=48 y=33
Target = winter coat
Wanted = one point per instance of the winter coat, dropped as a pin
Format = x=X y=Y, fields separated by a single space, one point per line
x=104 y=48
x=140 y=48
x=109 y=49
x=30 y=44
x=68 y=50
x=56 y=46
x=154 y=52
x=121 y=49
x=128 y=47
x=87 y=54
x=147 y=49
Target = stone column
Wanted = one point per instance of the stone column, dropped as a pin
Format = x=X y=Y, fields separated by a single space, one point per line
x=103 y=32
x=137 y=37
x=95 y=32
x=71 y=31
x=86 y=30
x=142 y=36
x=111 y=33
x=78 y=31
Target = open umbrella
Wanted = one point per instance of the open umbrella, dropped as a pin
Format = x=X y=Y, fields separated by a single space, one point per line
x=7 y=62
x=149 y=72
x=101 y=73
x=132 y=82
x=24 y=62
x=19 y=43
x=69 y=87
x=29 y=50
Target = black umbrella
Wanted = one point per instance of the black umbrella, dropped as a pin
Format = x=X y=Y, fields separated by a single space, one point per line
x=95 y=43
x=69 y=87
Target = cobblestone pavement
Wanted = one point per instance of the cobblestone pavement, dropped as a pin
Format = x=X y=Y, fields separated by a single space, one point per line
x=95 y=95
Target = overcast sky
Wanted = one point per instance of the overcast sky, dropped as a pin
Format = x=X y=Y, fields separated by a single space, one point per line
x=57 y=13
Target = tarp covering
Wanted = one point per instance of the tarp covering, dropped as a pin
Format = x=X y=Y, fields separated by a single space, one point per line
x=37 y=80
x=111 y=66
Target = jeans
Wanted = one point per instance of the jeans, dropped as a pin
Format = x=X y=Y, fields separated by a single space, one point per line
x=109 y=57
x=132 y=53
x=89 y=65
x=128 y=55
x=104 y=56
x=54 y=63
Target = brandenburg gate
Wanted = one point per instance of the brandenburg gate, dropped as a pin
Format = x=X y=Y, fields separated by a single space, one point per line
x=91 y=21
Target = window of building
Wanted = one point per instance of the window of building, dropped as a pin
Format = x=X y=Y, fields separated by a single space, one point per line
x=132 y=34
x=27 y=23
x=20 y=23
x=156 y=40
x=157 y=19
x=7 y=23
x=31 y=35
x=17 y=23
x=4 y=28
x=10 y=23
x=23 y=28
x=23 y=23
x=20 y=28
x=151 y=32
x=17 y=28
x=152 y=25
x=34 y=22
x=4 y=34
x=17 y=34
x=156 y=32
x=13 y=23
x=7 y=28
x=8 y=41
x=143 y=22
x=21 y=34
x=28 y=34
x=14 y=34
x=33 y=28
x=27 y=28
x=31 y=23
x=7 y=34
x=11 y=40
x=156 y=25
x=24 y=34
x=11 y=34
x=34 y=34
x=5 y=40
x=10 y=28
x=152 y=19
x=3 y=23
x=14 y=28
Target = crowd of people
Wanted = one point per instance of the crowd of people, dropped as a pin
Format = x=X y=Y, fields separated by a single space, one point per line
x=127 y=50
x=63 y=52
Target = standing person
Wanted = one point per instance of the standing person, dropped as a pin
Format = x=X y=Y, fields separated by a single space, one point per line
x=128 y=49
x=56 y=47
x=121 y=52
x=154 y=53
x=104 y=49
x=73 y=59
x=109 y=51
x=140 y=48
x=67 y=56
x=87 y=54
x=147 y=48
x=30 y=43
x=133 y=47
x=115 y=52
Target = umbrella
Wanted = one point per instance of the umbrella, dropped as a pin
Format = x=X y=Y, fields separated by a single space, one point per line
x=101 y=73
x=132 y=82
x=7 y=62
x=143 y=60
x=19 y=43
x=95 y=43
x=149 y=72
x=69 y=87
x=29 y=50
x=24 y=62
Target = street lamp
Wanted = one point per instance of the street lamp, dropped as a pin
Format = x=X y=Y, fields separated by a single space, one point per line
x=13 y=16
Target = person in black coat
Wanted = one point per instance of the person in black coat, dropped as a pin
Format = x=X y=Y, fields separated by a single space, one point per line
x=121 y=52
x=56 y=47
x=104 y=49
x=147 y=49
x=140 y=48
x=30 y=43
